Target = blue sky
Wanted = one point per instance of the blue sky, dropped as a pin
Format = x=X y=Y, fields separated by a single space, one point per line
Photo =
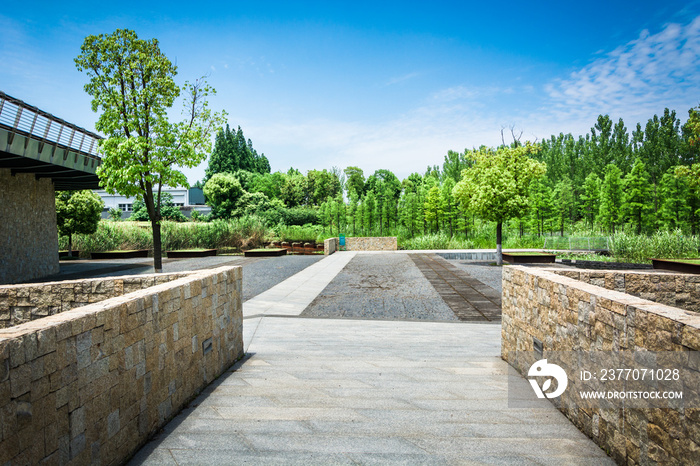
x=380 y=84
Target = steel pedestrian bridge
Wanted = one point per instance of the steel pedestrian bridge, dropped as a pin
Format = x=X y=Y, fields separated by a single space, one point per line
x=34 y=141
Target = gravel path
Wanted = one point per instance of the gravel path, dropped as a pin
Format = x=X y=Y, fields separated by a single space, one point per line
x=380 y=286
x=484 y=272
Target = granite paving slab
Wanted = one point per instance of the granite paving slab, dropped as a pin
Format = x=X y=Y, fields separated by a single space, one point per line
x=394 y=392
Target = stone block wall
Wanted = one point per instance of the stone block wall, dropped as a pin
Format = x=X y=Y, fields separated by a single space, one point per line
x=90 y=385
x=330 y=246
x=24 y=303
x=673 y=289
x=380 y=243
x=28 y=234
x=571 y=315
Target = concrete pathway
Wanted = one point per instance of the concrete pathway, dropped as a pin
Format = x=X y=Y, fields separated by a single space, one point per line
x=341 y=391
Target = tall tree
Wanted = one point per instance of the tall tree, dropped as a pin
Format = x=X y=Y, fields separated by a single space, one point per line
x=611 y=198
x=232 y=153
x=132 y=83
x=590 y=198
x=636 y=206
x=675 y=207
x=77 y=212
x=564 y=202
x=497 y=186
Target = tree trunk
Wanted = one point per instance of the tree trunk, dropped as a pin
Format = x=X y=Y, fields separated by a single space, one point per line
x=157 y=249
x=70 y=245
x=499 y=237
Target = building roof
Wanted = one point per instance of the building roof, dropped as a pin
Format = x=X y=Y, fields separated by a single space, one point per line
x=34 y=141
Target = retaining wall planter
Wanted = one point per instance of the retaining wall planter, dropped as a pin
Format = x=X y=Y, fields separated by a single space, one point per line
x=272 y=252
x=120 y=254
x=190 y=253
x=677 y=265
x=516 y=258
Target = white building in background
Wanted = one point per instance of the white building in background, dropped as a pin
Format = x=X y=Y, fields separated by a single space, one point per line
x=188 y=200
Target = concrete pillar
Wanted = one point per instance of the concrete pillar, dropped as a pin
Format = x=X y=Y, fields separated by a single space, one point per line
x=28 y=233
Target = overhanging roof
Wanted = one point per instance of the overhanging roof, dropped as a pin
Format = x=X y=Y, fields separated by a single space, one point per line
x=34 y=141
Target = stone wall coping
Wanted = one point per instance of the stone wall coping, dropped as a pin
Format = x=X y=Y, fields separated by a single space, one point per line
x=69 y=283
x=94 y=308
x=686 y=317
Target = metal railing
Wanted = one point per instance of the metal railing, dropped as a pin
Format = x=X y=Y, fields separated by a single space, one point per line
x=22 y=118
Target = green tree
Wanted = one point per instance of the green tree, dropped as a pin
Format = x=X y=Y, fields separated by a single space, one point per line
x=355 y=181
x=541 y=207
x=77 y=212
x=223 y=192
x=675 y=209
x=168 y=210
x=132 y=83
x=115 y=214
x=590 y=198
x=563 y=195
x=433 y=208
x=496 y=187
x=454 y=163
x=448 y=204
x=232 y=153
x=611 y=198
x=637 y=193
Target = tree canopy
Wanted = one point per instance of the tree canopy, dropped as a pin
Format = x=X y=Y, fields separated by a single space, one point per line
x=77 y=212
x=132 y=84
x=497 y=186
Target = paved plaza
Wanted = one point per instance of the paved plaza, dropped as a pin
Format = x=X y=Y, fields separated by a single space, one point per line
x=378 y=380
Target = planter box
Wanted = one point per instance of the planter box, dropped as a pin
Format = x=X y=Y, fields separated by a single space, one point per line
x=190 y=253
x=120 y=254
x=266 y=252
x=676 y=265
x=65 y=253
x=529 y=258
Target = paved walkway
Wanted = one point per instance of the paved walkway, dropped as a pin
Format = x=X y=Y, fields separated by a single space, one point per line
x=349 y=391
x=468 y=298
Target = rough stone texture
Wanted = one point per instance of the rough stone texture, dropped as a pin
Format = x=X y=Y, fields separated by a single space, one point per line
x=330 y=246
x=90 y=385
x=24 y=303
x=384 y=286
x=673 y=289
x=570 y=315
x=28 y=234
x=378 y=243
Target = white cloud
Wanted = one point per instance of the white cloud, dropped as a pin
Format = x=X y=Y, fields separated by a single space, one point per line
x=637 y=79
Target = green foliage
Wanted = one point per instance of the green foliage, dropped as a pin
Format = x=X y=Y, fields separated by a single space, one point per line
x=248 y=231
x=232 y=153
x=611 y=198
x=223 y=192
x=436 y=241
x=497 y=186
x=115 y=214
x=168 y=210
x=132 y=84
x=662 y=244
x=77 y=212
x=637 y=207
x=590 y=198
